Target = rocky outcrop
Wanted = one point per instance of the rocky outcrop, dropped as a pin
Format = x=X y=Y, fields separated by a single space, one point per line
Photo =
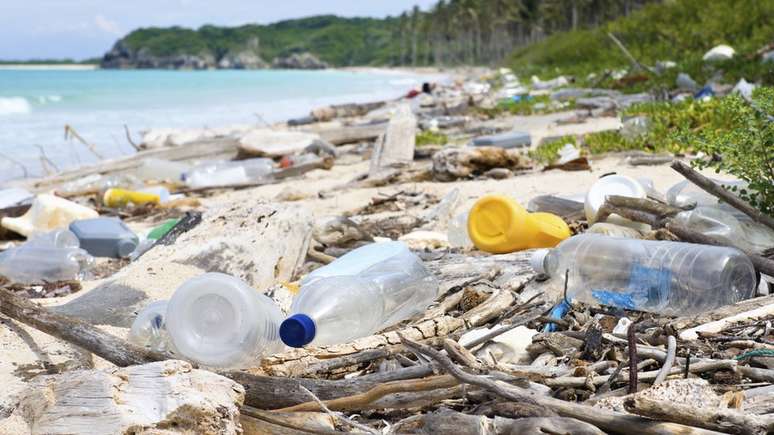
x=299 y=61
x=242 y=60
x=122 y=56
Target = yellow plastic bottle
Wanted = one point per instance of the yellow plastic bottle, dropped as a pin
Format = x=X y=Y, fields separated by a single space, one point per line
x=499 y=225
x=121 y=198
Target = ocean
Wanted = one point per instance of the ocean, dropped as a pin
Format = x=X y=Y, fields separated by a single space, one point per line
x=36 y=104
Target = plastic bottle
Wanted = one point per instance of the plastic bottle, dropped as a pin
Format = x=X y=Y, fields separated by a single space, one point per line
x=687 y=194
x=55 y=239
x=162 y=170
x=47 y=213
x=499 y=225
x=669 y=278
x=362 y=292
x=730 y=226
x=105 y=237
x=229 y=172
x=35 y=264
x=217 y=320
x=118 y=198
x=149 y=328
x=458 y=232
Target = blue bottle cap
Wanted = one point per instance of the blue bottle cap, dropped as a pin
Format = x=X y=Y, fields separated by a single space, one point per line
x=297 y=330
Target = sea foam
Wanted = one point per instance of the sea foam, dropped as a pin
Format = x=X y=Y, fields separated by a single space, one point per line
x=12 y=105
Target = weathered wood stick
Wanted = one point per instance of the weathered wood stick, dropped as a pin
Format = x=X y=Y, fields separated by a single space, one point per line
x=721 y=192
x=606 y=420
x=646 y=205
x=719 y=419
x=76 y=331
x=358 y=401
x=451 y=422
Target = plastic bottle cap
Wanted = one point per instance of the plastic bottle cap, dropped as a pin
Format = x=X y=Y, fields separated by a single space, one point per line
x=297 y=330
x=126 y=247
x=538 y=261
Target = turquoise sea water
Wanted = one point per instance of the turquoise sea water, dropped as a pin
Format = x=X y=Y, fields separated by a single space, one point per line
x=35 y=105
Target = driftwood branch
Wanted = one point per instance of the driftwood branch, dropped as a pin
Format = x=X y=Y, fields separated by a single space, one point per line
x=720 y=419
x=628 y=55
x=721 y=192
x=70 y=132
x=129 y=138
x=606 y=420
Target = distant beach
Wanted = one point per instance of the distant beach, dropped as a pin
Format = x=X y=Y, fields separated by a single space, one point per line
x=48 y=66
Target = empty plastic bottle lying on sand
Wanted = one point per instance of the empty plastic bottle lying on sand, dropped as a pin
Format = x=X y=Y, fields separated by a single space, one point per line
x=669 y=278
x=229 y=173
x=728 y=225
x=359 y=294
x=457 y=232
x=218 y=320
x=498 y=224
x=47 y=213
x=49 y=257
x=149 y=329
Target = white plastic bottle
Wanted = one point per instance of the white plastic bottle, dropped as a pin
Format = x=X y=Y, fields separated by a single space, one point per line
x=218 y=320
x=226 y=173
x=364 y=291
x=669 y=278
x=149 y=328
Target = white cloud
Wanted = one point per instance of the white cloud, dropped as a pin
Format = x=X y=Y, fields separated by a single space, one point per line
x=107 y=25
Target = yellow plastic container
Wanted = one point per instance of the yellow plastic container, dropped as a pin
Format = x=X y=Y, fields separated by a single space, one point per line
x=499 y=225
x=121 y=198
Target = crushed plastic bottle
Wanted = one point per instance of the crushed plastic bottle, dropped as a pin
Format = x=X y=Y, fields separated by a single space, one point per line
x=500 y=225
x=38 y=263
x=218 y=320
x=226 y=173
x=360 y=293
x=663 y=277
x=730 y=226
x=47 y=213
x=55 y=239
x=634 y=127
x=149 y=328
x=686 y=194
x=568 y=153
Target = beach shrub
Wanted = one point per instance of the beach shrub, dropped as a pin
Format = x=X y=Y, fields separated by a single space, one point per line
x=740 y=142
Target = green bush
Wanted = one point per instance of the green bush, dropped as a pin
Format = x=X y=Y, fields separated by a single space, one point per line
x=740 y=141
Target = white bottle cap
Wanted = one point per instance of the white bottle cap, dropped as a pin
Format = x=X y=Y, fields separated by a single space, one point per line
x=538 y=261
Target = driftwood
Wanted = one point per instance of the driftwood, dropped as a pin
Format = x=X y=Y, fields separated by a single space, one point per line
x=451 y=164
x=720 y=419
x=714 y=189
x=258 y=422
x=607 y=420
x=449 y=422
x=342 y=135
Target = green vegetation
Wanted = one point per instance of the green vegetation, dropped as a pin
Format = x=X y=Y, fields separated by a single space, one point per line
x=679 y=30
x=525 y=106
x=428 y=137
x=338 y=41
x=740 y=141
x=547 y=152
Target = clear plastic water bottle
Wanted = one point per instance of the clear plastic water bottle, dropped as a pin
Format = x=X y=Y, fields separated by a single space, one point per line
x=669 y=278
x=364 y=291
x=458 y=232
x=729 y=225
x=55 y=239
x=218 y=320
x=35 y=264
x=226 y=173
x=149 y=328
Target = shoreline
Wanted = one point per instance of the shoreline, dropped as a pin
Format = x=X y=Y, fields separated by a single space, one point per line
x=49 y=66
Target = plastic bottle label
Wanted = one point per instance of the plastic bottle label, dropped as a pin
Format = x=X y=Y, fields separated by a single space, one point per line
x=648 y=287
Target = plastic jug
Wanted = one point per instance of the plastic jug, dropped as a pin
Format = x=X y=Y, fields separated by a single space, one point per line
x=217 y=320
x=35 y=264
x=226 y=173
x=671 y=278
x=499 y=225
x=117 y=198
x=48 y=212
x=149 y=328
x=607 y=186
x=358 y=294
x=105 y=237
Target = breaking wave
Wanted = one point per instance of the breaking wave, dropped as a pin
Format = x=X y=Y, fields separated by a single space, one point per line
x=12 y=105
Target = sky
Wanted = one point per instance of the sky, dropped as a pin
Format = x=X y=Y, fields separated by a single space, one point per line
x=80 y=29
